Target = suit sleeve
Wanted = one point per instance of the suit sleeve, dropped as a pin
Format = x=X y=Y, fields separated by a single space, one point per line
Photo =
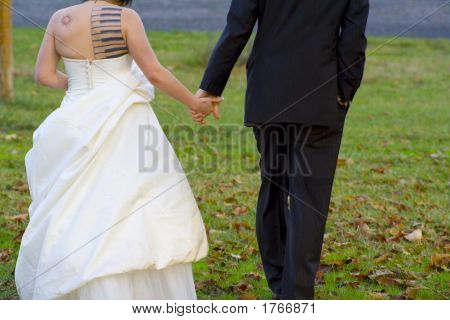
x=241 y=20
x=352 y=47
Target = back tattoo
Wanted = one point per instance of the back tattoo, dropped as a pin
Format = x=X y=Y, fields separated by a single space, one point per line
x=106 y=29
x=67 y=19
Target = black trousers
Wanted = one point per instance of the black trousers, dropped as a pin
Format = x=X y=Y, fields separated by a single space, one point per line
x=298 y=164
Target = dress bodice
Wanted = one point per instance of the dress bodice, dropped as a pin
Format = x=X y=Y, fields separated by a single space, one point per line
x=85 y=75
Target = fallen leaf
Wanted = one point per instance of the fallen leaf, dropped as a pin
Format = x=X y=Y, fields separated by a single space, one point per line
x=240 y=211
x=381 y=170
x=394 y=219
x=219 y=215
x=5 y=255
x=362 y=199
x=436 y=155
x=388 y=281
x=19 y=218
x=235 y=256
x=401 y=206
x=381 y=258
x=411 y=292
x=237 y=180
x=400 y=249
x=379 y=295
x=201 y=284
x=416 y=235
x=253 y=275
x=440 y=260
x=321 y=272
x=241 y=287
x=385 y=277
x=10 y=137
x=359 y=276
x=343 y=244
x=250 y=251
x=18 y=238
x=230 y=200
x=396 y=233
x=344 y=162
x=365 y=229
x=380 y=273
x=239 y=226
x=324 y=268
x=21 y=187
x=349 y=284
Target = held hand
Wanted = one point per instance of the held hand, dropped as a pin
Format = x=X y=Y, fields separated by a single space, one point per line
x=206 y=105
x=203 y=94
x=203 y=107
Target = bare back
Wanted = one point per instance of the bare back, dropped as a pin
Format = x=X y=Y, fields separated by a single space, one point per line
x=90 y=31
x=100 y=30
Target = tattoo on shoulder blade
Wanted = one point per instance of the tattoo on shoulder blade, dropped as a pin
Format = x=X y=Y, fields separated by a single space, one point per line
x=66 y=20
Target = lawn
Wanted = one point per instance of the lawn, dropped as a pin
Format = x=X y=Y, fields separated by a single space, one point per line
x=387 y=235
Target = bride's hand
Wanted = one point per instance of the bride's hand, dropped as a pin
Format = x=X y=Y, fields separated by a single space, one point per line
x=198 y=117
x=203 y=107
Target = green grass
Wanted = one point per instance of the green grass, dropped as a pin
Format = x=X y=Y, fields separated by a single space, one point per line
x=393 y=175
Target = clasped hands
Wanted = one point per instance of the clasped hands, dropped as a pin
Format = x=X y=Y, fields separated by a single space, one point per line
x=204 y=106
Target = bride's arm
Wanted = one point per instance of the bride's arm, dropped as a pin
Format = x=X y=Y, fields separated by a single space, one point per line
x=142 y=52
x=46 y=72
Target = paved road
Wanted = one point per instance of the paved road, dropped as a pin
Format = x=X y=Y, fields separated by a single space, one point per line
x=387 y=17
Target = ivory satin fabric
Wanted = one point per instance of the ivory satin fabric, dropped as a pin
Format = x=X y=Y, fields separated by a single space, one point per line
x=95 y=212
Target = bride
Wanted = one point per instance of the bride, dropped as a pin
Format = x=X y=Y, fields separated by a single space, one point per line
x=101 y=226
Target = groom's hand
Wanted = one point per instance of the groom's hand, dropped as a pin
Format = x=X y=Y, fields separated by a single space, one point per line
x=202 y=106
x=203 y=94
x=342 y=102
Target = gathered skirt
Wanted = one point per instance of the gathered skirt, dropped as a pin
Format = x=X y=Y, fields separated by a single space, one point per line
x=103 y=206
x=171 y=283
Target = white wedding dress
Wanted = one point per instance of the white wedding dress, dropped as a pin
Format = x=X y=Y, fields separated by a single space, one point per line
x=111 y=217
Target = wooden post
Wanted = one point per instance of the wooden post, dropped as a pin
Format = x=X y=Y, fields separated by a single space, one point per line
x=6 y=54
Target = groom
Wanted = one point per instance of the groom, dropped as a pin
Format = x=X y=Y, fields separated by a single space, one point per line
x=305 y=68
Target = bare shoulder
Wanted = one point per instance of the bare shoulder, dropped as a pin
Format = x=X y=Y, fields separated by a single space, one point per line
x=63 y=16
x=68 y=10
x=53 y=23
x=131 y=16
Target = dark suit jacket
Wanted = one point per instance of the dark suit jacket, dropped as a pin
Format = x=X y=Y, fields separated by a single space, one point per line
x=305 y=53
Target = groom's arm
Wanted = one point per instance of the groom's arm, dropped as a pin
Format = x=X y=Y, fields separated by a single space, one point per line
x=241 y=20
x=351 y=48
